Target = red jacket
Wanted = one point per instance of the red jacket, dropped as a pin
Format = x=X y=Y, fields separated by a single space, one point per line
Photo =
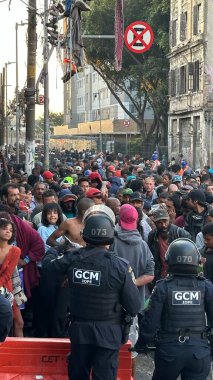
x=32 y=245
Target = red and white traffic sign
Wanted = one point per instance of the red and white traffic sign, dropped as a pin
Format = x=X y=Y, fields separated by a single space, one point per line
x=138 y=37
x=126 y=123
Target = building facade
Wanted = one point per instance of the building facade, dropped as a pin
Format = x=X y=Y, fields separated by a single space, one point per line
x=88 y=102
x=190 y=115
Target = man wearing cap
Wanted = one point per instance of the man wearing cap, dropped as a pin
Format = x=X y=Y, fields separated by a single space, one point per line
x=126 y=193
x=177 y=180
x=195 y=219
x=160 y=238
x=47 y=176
x=67 y=202
x=95 y=195
x=95 y=180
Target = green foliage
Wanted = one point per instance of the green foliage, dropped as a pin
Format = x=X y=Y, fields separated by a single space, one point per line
x=54 y=118
x=143 y=76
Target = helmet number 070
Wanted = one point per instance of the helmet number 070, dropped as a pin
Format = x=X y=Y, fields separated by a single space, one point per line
x=184 y=259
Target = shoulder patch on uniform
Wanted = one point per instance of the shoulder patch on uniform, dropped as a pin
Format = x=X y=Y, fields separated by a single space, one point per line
x=86 y=277
x=132 y=274
x=186 y=297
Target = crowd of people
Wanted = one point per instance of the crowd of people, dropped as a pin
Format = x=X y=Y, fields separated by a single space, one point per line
x=151 y=203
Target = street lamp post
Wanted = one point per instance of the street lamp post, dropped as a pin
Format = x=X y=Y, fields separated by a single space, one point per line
x=17 y=94
x=100 y=119
x=101 y=140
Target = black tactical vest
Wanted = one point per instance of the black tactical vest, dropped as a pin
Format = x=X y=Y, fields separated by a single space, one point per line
x=91 y=296
x=184 y=310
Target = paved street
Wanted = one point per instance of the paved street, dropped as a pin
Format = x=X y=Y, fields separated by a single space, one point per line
x=144 y=367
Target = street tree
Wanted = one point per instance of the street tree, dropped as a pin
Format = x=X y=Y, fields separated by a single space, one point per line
x=144 y=77
x=55 y=118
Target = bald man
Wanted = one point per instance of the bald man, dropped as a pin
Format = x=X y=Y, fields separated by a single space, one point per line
x=114 y=204
x=172 y=188
x=71 y=228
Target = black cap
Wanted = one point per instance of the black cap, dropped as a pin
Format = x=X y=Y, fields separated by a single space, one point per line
x=136 y=196
x=197 y=195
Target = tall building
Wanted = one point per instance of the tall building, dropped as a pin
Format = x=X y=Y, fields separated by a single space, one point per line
x=191 y=81
x=91 y=107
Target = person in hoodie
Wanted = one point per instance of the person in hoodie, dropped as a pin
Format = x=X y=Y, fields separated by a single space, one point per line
x=114 y=181
x=129 y=245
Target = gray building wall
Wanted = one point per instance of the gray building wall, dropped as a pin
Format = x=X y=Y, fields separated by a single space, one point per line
x=191 y=60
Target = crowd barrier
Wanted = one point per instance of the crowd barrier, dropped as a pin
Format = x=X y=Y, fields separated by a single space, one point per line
x=45 y=359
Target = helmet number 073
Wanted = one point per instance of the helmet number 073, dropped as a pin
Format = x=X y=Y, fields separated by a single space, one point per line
x=98 y=232
x=184 y=259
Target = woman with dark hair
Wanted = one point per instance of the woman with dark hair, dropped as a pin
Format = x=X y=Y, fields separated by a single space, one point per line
x=51 y=218
x=9 y=258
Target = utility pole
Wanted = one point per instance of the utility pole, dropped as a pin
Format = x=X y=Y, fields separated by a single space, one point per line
x=2 y=110
x=6 y=115
x=46 y=90
x=6 y=110
x=17 y=95
x=17 y=100
x=30 y=90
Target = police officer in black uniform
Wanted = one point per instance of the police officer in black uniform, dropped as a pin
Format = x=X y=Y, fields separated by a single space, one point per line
x=101 y=286
x=177 y=313
x=6 y=318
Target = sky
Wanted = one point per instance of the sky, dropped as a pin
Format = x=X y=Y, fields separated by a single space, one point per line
x=8 y=19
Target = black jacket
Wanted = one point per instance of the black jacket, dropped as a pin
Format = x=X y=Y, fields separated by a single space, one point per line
x=112 y=274
x=195 y=222
x=153 y=243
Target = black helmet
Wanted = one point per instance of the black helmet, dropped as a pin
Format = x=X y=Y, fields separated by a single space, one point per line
x=98 y=230
x=182 y=256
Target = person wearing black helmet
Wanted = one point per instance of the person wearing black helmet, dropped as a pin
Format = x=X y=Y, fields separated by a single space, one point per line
x=177 y=313
x=101 y=285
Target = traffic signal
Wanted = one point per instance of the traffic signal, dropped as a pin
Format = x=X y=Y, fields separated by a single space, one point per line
x=52 y=31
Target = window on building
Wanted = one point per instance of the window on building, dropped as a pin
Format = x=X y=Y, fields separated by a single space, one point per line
x=199 y=17
x=132 y=108
x=174 y=135
x=172 y=83
x=183 y=26
x=177 y=81
x=182 y=79
x=196 y=19
x=191 y=76
x=194 y=76
x=174 y=33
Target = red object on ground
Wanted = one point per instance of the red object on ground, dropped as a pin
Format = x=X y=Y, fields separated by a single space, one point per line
x=45 y=359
